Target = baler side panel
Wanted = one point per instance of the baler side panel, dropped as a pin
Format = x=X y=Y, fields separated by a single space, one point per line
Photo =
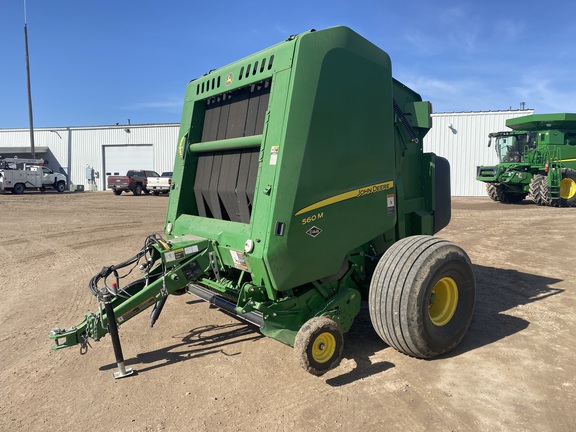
x=335 y=168
x=415 y=171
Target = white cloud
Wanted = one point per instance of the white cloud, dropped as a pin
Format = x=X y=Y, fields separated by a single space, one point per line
x=550 y=94
x=473 y=93
x=165 y=105
x=449 y=95
x=454 y=31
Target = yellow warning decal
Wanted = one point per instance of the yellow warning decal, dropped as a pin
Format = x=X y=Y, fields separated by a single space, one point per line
x=356 y=193
x=136 y=310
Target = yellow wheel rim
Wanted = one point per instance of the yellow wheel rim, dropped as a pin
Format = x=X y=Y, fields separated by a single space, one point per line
x=443 y=301
x=567 y=188
x=324 y=347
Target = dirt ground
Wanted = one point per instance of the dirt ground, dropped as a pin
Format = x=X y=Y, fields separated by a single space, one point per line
x=200 y=370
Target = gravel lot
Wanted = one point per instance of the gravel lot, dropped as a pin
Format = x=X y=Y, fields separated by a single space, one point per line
x=199 y=369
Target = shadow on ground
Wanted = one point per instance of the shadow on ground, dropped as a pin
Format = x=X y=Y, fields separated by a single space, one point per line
x=199 y=342
x=498 y=290
x=360 y=343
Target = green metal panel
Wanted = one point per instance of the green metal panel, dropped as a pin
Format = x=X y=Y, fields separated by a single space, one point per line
x=335 y=162
x=339 y=172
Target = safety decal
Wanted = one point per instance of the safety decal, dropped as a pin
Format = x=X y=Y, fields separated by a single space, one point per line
x=274 y=155
x=229 y=79
x=136 y=310
x=390 y=203
x=191 y=249
x=356 y=193
x=174 y=255
x=238 y=259
x=314 y=232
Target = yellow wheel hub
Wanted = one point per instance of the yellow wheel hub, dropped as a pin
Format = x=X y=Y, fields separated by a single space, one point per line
x=567 y=188
x=324 y=347
x=443 y=301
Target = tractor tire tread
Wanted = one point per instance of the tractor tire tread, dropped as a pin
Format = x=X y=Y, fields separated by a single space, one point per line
x=305 y=338
x=398 y=280
x=539 y=191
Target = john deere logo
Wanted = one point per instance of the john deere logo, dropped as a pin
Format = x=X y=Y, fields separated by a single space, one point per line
x=229 y=79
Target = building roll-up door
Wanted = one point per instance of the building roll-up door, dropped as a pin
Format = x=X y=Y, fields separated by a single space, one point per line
x=119 y=159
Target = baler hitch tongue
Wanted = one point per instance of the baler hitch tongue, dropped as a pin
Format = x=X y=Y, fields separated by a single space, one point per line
x=66 y=338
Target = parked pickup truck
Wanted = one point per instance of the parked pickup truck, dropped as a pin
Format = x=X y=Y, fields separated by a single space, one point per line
x=135 y=181
x=160 y=184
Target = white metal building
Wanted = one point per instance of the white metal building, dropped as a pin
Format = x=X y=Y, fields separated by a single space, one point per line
x=110 y=150
x=462 y=138
x=101 y=150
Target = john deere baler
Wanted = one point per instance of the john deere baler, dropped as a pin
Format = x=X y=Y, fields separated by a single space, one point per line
x=300 y=188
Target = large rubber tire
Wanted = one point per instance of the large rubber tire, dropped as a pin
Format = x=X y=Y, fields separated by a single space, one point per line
x=568 y=188
x=497 y=193
x=493 y=192
x=539 y=191
x=137 y=190
x=18 y=189
x=146 y=191
x=60 y=187
x=319 y=345
x=422 y=296
x=117 y=191
x=156 y=192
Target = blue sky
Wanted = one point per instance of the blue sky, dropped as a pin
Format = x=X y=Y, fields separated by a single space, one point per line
x=104 y=62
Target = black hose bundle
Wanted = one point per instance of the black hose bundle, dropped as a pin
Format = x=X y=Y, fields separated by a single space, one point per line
x=105 y=272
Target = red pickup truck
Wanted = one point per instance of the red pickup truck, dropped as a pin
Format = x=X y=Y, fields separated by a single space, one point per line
x=135 y=181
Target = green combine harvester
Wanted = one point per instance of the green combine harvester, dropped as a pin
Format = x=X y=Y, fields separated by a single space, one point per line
x=300 y=188
x=537 y=158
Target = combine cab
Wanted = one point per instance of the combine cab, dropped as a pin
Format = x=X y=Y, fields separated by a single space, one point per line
x=537 y=159
x=300 y=188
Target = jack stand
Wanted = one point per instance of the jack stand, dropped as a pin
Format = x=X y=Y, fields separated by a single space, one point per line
x=113 y=330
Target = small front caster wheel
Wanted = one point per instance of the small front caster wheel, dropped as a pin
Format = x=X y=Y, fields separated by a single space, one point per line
x=318 y=345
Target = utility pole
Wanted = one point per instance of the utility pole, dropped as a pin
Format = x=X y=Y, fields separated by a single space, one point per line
x=30 y=116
